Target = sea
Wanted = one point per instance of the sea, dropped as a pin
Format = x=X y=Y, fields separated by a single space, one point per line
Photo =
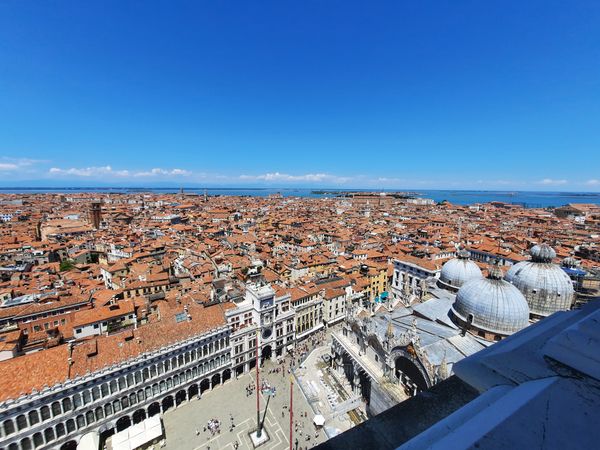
x=527 y=199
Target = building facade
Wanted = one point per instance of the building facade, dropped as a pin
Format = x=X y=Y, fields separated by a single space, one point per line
x=411 y=276
x=117 y=396
x=261 y=317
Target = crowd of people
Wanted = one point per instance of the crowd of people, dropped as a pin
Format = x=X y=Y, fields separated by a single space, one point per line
x=214 y=426
x=250 y=389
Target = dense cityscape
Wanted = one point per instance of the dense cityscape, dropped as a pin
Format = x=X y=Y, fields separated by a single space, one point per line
x=299 y=225
x=119 y=311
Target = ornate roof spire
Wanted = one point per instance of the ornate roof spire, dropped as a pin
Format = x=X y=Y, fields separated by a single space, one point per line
x=389 y=333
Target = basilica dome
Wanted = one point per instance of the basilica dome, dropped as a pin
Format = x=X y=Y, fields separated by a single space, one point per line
x=545 y=285
x=491 y=306
x=458 y=271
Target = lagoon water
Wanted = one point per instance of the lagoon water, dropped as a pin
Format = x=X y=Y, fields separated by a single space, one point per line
x=526 y=198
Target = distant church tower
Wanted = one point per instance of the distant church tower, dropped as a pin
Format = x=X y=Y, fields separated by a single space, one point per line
x=96 y=215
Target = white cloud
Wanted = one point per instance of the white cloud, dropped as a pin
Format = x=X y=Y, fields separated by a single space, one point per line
x=8 y=166
x=593 y=182
x=89 y=171
x=552 y=182
x=164 y=172
x=308 y=178
x=389 y=180
x=8 y=163
x=99 y=171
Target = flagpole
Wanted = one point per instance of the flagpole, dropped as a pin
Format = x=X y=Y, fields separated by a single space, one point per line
x=258 y=425
x=291 y=408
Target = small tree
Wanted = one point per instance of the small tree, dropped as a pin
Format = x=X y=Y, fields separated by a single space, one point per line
x=66 y=265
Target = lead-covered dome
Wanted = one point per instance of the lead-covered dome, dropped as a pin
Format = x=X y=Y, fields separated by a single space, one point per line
x=491 y=305
x=545 y=285
x=458 y=271
x=542 y=253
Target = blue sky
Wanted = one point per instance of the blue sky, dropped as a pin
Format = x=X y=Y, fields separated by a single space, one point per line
x=446 y=94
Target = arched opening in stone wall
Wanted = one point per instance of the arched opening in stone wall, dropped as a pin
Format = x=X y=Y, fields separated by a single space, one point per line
x=139 y=416
x=123 y=423
x=409 y=375
x=266 y=353
x=180 y=397
x=154 y=409
x=167 y=403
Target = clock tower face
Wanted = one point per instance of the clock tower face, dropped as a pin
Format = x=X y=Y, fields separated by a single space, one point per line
x=267 y=332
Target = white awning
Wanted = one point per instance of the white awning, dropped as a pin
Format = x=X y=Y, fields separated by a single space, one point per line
x=89 y=441
x=137 y=435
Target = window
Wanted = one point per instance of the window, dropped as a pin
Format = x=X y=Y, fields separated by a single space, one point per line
x=49 y=434
x=56 y=409
x=21 y=422
x=60 y=430
x=66 y=404
x=45 y=412
x=9 y=427
x=33 y=417
x=38 y=440
x=25 y=444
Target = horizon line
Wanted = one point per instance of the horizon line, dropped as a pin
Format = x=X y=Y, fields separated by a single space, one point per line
x=288 y=188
